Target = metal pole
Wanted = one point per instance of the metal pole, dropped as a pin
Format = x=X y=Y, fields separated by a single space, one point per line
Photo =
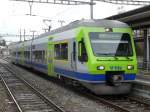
x=45 y=30
x=145 y=50
x=20 y=34
x=30 y=5
x=91 y=9
x=49 y=25
x=49 y=28
x=61 y=22
x=33 y=34
x=24 y=34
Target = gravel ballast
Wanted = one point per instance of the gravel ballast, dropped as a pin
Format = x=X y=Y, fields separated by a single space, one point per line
x=6 y=103
x=68 y=100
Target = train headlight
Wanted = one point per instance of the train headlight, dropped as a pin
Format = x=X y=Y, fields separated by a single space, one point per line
x=108 y=29
x=130 y=67
x=100 y=68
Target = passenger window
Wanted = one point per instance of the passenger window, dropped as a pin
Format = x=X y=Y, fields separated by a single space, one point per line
x=57 y=51
x=61 y=51
x=74 y=51
x=82 y=53
x=28 y=54
x=64 y=51
x=43 y=56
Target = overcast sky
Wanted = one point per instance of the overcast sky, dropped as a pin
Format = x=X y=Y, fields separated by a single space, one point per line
x=13 y=15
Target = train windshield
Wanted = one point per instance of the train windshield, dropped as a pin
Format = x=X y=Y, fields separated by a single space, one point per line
x=111 y=44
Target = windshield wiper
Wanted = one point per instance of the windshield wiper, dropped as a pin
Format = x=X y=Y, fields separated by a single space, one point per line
x=106 y=54
x=115 y=57
x=128 y=57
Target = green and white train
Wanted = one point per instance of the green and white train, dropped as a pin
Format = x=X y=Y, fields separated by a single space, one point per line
x=99 y=54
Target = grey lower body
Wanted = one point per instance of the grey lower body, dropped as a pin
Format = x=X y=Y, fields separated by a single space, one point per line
x=104 y=89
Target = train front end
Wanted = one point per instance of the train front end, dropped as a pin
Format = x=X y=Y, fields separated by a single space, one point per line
x=111 y=59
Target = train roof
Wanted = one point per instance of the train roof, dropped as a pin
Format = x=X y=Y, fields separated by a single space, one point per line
x=88 y=23
x=85 y=23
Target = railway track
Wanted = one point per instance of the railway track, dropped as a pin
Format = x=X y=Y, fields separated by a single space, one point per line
x=26 y=97
x=121 y=103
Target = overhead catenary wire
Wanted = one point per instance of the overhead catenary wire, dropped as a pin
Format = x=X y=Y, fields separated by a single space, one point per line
x=126 y=2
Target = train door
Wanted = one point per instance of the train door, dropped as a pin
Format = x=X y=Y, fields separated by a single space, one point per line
x=17 y=55
x=82 y=57
x=50 y=59
x=73 y=55
x=22 y=54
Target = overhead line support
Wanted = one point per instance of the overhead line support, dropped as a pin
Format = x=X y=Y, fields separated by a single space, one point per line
x=63 y=2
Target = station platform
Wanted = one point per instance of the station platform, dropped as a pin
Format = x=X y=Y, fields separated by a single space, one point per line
x=143 y=77
x=141 y=86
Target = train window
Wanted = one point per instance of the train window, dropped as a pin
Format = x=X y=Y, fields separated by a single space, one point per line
x=43 y=57
x=111 y=44
x=57 y=51
x=39 y=56
x=13 y=53
x=27 y=54
x=64 y=51
x=74 y=51
x=35 y=56
x=82 y=54
x=19 y=54
x=61 y=51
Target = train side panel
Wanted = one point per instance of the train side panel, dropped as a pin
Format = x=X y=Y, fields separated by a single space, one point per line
x=27 y=53
x=39 y=54
x=62 y=61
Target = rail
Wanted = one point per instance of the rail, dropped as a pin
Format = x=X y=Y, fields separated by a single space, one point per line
x=24 y=95
x=123 y=103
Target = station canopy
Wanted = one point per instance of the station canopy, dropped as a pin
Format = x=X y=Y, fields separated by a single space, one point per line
x=137 y=19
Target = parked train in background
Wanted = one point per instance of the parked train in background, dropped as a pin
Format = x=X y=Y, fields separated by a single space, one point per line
x=99 y=54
